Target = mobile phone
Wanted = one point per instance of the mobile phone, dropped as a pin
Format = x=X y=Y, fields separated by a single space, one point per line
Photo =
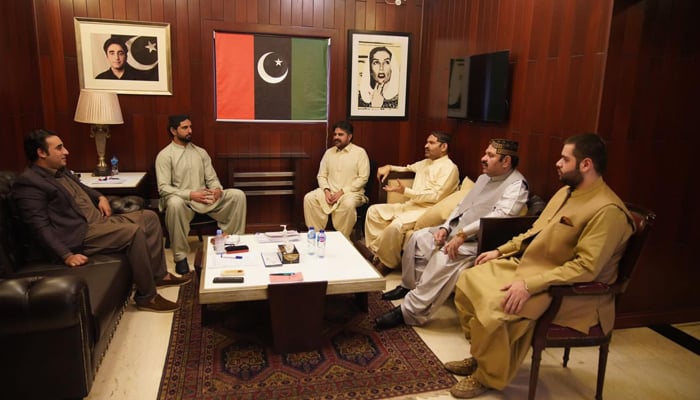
x=236 y=248
x=228 y=279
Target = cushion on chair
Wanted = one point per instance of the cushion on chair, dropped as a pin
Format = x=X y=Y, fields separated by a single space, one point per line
x=126 y=204
x=561 y=332
x=438 y=213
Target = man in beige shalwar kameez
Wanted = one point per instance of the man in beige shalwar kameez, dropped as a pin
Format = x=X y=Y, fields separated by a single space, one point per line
x=187 y=183
x=579 y=237
x=342 y=176
x=386 y=224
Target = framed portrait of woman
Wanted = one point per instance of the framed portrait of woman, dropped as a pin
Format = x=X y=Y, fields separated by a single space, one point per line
x=379 y=67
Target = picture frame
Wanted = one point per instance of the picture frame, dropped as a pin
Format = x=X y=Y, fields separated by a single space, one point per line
x=458 y=88
x=380 y=92
x=139 y=53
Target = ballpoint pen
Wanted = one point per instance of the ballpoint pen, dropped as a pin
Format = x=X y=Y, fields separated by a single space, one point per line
x=283 y=274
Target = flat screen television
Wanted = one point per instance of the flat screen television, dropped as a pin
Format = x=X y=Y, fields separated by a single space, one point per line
x=488 y=95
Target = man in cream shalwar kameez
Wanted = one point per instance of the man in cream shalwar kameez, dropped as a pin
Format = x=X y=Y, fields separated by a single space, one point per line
x=433 y=257
x=187 y=183
x=386 y=224
x=579 y=237
x=342 y=176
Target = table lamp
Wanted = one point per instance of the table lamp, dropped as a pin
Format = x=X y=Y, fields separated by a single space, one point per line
x=100 y=109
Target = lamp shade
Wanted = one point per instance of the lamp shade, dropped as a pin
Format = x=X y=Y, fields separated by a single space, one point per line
x=99 y=108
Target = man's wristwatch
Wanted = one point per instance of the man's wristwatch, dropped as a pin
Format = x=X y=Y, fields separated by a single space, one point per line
x=462 y=235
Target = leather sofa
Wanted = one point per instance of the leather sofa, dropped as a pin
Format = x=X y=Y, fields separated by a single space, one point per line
x=55 y=322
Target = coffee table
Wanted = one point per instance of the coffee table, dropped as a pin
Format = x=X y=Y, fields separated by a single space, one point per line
x=343 y=268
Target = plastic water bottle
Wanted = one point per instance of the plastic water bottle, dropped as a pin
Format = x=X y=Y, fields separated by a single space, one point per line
x=219 y=242
x=115 y=165
x=321 y=244
x=311 y=241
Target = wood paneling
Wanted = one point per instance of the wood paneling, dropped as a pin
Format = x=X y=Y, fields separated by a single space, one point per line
x=648 y=114
x=50 y=60
x=627 y=69
x=557 y=60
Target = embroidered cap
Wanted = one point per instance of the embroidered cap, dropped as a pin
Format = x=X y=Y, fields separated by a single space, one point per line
x=505 y=146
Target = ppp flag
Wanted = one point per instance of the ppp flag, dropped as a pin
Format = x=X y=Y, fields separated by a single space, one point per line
x=265 y=77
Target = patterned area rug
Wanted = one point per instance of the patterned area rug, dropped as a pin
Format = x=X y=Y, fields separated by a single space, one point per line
x=232 y=357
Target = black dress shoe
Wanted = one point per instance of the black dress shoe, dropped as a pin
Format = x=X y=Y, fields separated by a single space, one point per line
x=182 y=267
x=396 y=293
x=389 y=320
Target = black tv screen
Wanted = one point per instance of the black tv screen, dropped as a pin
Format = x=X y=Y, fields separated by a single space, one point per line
x=488 y=97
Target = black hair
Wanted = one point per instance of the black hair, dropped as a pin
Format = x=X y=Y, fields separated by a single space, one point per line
x=590 y=145
x=344 y=125
x=175 y=120
x=514 y=160
x=442 y=136
x=34 y=141
x=112 y=40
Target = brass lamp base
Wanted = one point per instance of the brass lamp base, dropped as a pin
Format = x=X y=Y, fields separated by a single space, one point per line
x=101 y=134
x=102 y=171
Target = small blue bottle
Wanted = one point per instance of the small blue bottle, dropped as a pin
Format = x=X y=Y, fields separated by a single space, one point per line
x=321 y=244
x=115 y=165
x=311 y=241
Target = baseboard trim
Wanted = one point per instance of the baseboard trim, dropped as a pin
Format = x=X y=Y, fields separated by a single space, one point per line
x=678 y=336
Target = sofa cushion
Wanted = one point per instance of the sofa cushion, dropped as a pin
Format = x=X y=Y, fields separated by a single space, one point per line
x=438 y=213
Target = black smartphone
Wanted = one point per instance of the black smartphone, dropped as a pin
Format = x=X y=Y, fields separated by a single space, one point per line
x=228 y=279
x=236 y=248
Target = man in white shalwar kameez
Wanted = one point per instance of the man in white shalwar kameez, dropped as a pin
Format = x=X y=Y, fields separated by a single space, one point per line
x=386 y=224
x=434 y=257
x=187 y=183
x=342 y=177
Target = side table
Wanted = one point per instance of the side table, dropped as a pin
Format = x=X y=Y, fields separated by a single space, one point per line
x=125 y=184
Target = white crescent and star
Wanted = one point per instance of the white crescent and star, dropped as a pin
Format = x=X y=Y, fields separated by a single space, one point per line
x=151 y=47
x=265 y=76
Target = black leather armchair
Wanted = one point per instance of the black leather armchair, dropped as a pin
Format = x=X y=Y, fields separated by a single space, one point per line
x=55 y=322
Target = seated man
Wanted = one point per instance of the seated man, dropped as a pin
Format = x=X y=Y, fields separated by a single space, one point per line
x=342 y=177
x=187 y=183
x=74 y=221
x=579 y=237
x=434 y=257
x=386 y=224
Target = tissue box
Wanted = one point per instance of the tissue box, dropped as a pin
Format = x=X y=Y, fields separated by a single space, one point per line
x=288 y=257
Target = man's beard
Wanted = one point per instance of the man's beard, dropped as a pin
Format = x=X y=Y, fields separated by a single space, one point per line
x=186 y=139
x=572 y=178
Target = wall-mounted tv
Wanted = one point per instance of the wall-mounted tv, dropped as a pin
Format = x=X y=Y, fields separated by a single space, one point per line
x=487 y=87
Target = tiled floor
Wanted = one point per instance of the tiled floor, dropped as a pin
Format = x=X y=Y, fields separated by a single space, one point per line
x=642 y=364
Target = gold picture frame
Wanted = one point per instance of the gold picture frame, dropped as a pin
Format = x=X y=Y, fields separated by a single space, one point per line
x=140 y=56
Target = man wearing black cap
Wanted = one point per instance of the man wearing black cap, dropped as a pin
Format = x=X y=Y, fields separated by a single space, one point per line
x=187 y=183
x=579 y=237
x=433 y=257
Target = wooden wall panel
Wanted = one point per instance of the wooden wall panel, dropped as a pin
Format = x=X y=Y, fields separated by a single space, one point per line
x=558 y=62
x=647 y=114
x=54 y=68
x=628 y=72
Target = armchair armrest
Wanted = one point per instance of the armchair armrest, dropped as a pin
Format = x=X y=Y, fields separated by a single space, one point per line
x=581 y=289
x=126 y=204
x=384 y=197
x=47 y=336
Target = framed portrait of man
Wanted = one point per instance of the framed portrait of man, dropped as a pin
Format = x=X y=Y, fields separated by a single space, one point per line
x=379 y=67
x=123 y=56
